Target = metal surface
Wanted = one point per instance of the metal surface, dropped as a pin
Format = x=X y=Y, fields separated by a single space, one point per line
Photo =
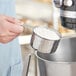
x=58 y=3
x=68 y=14
x=68 y=3
x=60 y=63
x=42 y=44
x=28 y=66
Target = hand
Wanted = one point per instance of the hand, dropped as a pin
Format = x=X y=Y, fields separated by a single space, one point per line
x=10 y=28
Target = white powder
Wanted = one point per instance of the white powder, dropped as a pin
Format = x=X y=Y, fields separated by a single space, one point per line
x=46 y=33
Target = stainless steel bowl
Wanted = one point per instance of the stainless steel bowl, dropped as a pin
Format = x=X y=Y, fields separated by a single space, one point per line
x=45 y=40
x=60 y=63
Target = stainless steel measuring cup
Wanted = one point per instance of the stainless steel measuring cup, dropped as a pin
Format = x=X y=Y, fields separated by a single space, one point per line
x=45 y=40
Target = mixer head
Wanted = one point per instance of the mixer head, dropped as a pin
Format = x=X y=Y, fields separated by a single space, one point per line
x=67 y=13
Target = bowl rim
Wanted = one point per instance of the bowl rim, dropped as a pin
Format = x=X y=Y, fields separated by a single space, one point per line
x=59 y=62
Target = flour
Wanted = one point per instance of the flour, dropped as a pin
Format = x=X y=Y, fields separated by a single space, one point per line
x=46 y=33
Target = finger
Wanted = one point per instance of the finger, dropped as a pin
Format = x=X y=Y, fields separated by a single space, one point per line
x=13 y=20
x=16 y=29
x=4 y=39
x=5 y=34
x=7 y=39
x=10 y=19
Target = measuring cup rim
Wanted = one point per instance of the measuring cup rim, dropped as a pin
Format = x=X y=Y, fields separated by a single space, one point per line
x=59 y=35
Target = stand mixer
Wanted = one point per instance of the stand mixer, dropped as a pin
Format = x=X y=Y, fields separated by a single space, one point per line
x=67 y=13
x=63 y=61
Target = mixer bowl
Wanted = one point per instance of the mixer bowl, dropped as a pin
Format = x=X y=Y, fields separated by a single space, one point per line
x=60 y=63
